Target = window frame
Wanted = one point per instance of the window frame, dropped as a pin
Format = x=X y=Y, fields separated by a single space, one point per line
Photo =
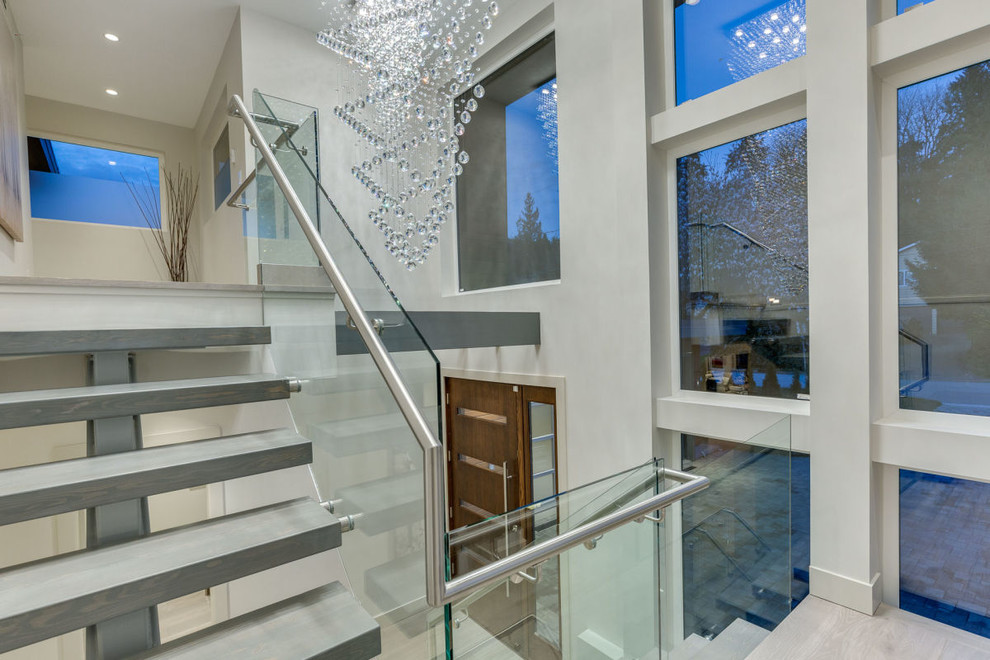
x=940 y=443
x=112 y=146
x=502 y=53
x=716 y=138
x=715 y=414
x=670 y=60
x=931 y=40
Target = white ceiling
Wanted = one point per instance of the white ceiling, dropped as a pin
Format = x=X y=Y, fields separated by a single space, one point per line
x=165 y=59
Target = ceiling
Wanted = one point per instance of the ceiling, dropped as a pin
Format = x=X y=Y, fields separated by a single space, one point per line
x=163 y=64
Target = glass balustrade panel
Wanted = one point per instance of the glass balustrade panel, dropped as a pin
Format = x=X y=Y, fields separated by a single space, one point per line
x=366 y=460
x=737 y=551
x=599 y=597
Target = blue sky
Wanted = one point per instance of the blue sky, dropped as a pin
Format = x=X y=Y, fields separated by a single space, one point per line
x=529 y=164
x=718 y=42
x=95 y=163
x=89 y=187
x=902 y=5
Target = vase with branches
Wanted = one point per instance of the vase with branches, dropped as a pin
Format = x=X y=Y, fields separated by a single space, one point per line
x=181 y=191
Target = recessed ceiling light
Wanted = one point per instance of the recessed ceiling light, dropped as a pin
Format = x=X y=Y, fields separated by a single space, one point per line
x=111 y=92
x=109 y=36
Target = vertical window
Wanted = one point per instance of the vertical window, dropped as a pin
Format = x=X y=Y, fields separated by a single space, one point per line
x=944 y=536
x=743 y=265
x=508 y=217
x=87 y=184
x=719 y=42
x=944 y=320
x=221 y=168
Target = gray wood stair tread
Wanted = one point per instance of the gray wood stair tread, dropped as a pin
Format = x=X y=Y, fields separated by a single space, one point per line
x=324 y=623
x=54 y=596
x=361 y=426
x=36 y=407
x=385 y=503
x=43 y=342
x=359 y=435
x=52 y=488
x=398 y=583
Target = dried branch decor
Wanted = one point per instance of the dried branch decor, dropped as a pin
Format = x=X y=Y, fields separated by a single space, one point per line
x=181 y=191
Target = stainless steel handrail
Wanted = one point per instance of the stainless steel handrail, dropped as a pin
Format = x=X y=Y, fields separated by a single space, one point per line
x=439 y=591
x=534 y=554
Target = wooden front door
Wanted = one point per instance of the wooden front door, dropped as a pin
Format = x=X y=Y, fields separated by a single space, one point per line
x=485 y=450
x=501 y=455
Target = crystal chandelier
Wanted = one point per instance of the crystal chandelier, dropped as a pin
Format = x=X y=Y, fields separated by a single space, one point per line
x=410 y=62
x=547 y=113
x=768 y=40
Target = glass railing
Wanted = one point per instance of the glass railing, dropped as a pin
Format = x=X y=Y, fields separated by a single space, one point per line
x=593 y=599
x=606 y=597
x=366 y=461
x=737 y=557
x=275 y=237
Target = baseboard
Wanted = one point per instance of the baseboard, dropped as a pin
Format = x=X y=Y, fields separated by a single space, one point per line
x=855 y=594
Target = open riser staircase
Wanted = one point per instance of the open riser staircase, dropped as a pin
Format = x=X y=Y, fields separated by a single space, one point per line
x=112 y=587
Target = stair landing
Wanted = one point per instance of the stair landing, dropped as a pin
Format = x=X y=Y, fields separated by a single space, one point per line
x=820 y=630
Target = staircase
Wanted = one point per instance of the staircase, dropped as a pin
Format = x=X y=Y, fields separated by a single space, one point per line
x=112 y=587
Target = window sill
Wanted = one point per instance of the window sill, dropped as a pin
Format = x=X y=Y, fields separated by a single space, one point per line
x=907 y=438
x=780 y=90
x=735 y=418
x=503 y=289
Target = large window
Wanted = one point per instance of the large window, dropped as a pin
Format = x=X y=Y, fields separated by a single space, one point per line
x=88 y=184
x=508 y=216
x=945 y=533
x=719 y=42
x=943 y=201
x=743 y=240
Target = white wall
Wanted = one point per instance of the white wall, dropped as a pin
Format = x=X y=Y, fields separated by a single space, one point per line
x=93 y=251
x=16 y=256
x=221 y=234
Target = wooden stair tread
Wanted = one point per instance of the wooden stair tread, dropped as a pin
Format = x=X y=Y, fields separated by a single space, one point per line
x=37 y=407
x=385 y=503
x=324 y=623
x=45 y=342
x=360 y=435
x=52 y=488
x=54 y=596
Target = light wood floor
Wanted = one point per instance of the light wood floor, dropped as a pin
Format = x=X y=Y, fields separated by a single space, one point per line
x=820 y=630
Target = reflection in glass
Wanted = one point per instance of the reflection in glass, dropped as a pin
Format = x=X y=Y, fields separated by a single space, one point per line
x=719 y=42
x=746 y=539
x=943 y=128
x=944 y=536
x=743 y=251
x=508 y=217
